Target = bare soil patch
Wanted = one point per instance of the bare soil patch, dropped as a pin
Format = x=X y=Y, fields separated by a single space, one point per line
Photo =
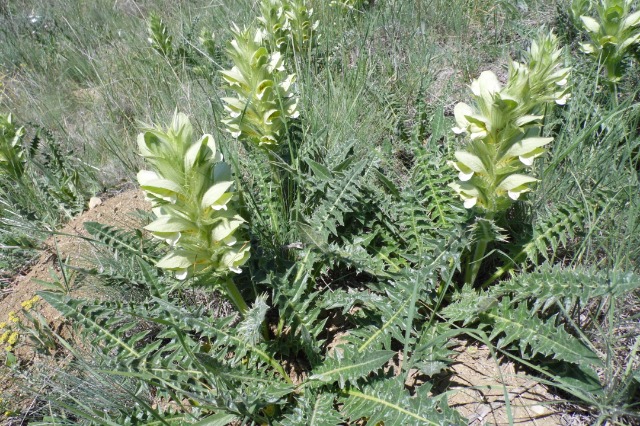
x=493 y=392
x=69 y=245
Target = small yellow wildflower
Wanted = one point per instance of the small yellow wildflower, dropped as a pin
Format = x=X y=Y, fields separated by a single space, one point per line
x=13 y=338
x=2 y=325
x=28 y=304
x=8 y=348
x=13 y=317
x=5 y=336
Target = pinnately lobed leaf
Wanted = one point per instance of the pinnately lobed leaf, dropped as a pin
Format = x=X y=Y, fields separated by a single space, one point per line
x=538 y=335
x=343 y=370
x=388 y=402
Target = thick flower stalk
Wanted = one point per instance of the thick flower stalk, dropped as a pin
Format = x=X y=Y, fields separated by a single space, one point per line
x=287 y=24
x=614 y=34
x=191 y=190
x=503 y=126
x=12 y=158
x=263 y=99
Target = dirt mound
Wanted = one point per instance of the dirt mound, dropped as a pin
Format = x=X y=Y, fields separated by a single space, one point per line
x=486 y=391
x=68 y=245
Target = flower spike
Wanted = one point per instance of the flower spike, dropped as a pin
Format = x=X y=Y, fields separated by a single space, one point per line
x=191 y=190
x=502 y=126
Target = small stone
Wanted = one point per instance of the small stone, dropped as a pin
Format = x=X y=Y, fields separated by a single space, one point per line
x=94 y=202
x=539 y=410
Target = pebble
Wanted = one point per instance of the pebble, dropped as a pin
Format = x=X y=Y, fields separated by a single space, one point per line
x=94 y=202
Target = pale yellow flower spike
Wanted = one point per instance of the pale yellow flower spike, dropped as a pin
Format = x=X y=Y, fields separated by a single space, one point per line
x=503 y=124
x=194 y=203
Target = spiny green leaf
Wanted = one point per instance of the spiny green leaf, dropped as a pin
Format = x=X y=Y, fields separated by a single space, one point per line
x=566 y=286
x=74 y=309
x=220 y=419
x=320 y=170
x=388 y=402
x=352 y=367
x=534 y=335
x=313 y=410
x=117 y=239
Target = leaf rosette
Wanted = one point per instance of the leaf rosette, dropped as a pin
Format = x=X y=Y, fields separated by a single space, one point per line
x=191 y=190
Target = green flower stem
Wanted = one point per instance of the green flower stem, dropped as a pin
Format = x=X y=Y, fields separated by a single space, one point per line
x=295 y=163
x=280 y=327
x=235 y=297
x=474 y=263
x=614 y=93
x=280 y=370
x=473 y=266
x=504 y=269
x=277 y=179
x=274 y=212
